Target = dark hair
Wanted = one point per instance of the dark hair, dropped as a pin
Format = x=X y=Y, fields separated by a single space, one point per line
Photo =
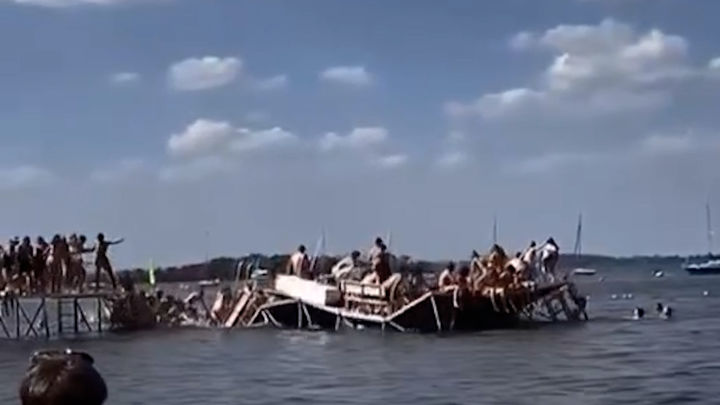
x=62 y=379
x=101 y=236
x=355 y=253
x=451 y=266
x=379 y=241
x=301 y=249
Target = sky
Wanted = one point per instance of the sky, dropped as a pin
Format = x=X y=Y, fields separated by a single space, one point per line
x=198 y=128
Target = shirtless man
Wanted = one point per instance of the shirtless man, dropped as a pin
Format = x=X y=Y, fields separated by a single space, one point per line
x=344 y=267
x=447 y=277
x=77 y=250
x=102 y=262
x=299 y=264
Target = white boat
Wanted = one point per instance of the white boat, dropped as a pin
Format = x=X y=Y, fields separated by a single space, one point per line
x=584 y=272
x=712 y=264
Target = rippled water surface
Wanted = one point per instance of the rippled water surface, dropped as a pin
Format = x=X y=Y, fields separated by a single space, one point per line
x=609 y=360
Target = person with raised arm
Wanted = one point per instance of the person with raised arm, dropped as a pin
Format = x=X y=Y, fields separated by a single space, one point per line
x=102 y=262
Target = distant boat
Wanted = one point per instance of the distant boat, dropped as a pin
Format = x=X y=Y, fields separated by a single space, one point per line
x=712 y=265
x=584 y=272
x=578 y=252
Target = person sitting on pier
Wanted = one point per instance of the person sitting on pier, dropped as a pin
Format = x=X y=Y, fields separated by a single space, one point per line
x=342 y=269
x=549 y=255
x=299 y=264
x=102 y=262
x=62 y=378
x=447 y=277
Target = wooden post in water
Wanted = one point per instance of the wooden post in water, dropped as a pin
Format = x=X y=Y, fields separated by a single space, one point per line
x=43 y=302
x=75 y=315
x=17 y=318
x=99 y=313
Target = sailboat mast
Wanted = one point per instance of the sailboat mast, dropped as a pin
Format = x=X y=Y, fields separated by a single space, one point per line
x=578 y=237
x=495 y=230
x=708 y=219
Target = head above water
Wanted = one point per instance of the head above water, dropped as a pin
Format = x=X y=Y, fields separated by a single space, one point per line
x=451 y=266
x=533 y=244
x=301 y=249
x=62 y=378
x=100 y=237
x=355 y=254
x=379 y=242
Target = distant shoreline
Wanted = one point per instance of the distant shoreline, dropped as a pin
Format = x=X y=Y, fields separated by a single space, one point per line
x=224 y=268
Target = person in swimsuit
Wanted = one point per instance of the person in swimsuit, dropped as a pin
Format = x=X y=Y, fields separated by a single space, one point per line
x=447 y=277
x=102 y=262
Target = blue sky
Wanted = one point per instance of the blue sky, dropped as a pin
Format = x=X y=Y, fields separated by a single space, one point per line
x=196 y=127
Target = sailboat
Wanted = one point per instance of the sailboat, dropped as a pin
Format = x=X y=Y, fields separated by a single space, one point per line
x=712 y=265
x=578 y=251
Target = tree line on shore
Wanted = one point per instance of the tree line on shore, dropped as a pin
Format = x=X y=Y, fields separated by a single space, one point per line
x=224 y=268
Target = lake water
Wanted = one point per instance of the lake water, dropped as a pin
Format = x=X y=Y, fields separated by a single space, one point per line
x=609 y=360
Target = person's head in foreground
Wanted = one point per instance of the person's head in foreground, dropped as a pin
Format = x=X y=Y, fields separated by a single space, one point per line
x=62 y=378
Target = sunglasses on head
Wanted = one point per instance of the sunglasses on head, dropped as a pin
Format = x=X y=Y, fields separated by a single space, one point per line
x=55 y=354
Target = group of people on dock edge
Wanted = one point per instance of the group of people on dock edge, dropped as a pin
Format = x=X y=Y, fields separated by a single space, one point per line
x=53 y=267
x=494 y=270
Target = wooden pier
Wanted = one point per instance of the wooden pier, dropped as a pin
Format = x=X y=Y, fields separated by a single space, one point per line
x=53 y=316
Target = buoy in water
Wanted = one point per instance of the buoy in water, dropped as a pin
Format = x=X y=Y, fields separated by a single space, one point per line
x=706 y=293
x=613 y=297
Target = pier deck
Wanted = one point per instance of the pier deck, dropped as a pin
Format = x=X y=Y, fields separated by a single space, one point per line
x=53 y=315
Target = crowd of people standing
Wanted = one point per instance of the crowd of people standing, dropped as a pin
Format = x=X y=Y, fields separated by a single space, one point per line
x=55 y=266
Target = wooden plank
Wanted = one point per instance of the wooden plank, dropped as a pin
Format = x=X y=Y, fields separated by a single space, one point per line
x=239 y=307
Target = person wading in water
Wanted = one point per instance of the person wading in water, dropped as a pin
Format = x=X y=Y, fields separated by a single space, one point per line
x=102 y=262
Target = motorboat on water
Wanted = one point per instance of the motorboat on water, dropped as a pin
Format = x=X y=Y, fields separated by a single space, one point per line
x=584 y=272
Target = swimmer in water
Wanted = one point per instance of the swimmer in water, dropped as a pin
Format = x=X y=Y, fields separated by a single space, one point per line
x=638 y=313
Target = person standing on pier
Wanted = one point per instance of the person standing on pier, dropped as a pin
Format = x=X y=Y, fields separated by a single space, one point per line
x=42 y=249
x=102 y=262
x=25 y=263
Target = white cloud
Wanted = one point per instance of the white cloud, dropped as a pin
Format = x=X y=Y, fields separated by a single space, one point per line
x=349 y=75
x=23 y=176
x=249 y=140
x=391 y=161
x=599 y=69
x=664 y=144
x=207 y=137
x=204 y=73
x=124 y=170
x=358 y=138
x=451 y=159
x=195 y=169
x=123 y=78
x=201 y=137
x=714 y=64
x=272 y=83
